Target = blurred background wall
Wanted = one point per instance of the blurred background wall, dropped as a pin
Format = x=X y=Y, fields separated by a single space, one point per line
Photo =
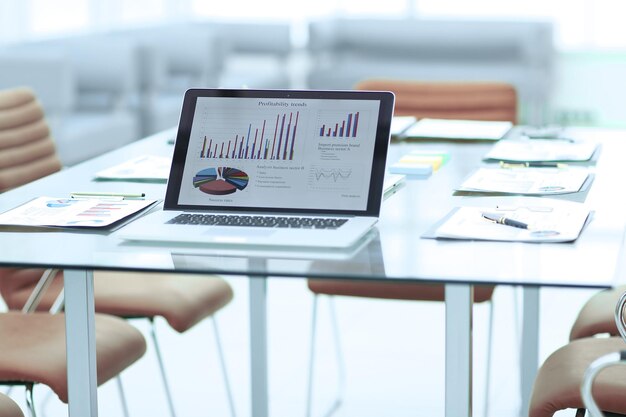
x=125 y=63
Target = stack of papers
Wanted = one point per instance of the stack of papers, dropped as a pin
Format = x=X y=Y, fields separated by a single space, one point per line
x=73 y=212
x=528 y=181
x=536 y=150
x=142 y=168
x=458 y=129
x=548 y=221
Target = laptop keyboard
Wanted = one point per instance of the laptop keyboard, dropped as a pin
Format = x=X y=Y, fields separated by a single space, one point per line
x=258 y=221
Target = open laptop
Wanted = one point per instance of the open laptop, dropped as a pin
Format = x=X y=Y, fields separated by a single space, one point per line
x=274 y=167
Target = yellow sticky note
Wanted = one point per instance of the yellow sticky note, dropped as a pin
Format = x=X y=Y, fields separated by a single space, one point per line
x=433 y=160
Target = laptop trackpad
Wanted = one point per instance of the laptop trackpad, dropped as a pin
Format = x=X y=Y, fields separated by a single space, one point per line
x=237 y=234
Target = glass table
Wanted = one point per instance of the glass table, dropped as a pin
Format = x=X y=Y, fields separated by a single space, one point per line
x=393 y=251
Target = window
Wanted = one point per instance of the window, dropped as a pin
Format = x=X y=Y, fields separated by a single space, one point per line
x=581 y=24
x=50 y=17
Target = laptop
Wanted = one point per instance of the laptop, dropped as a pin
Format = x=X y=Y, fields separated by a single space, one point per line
x=273 y=168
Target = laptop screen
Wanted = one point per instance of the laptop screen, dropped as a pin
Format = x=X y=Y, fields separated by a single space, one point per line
x=281 y=151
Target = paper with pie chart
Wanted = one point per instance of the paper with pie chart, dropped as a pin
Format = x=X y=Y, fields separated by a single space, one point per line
x=73 y=212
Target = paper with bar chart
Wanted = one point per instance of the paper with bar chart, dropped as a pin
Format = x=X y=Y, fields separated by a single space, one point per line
x=73 y=212
x=289 y=153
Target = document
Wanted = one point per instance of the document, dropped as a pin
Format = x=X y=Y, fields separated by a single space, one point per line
x=536 y=150
x=73 y=212
x=550 y=221
x=458 y=129
x=399 y=125
x=529 y=181
x=142 y=168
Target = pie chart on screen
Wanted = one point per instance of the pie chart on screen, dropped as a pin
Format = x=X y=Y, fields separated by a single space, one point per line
x=220 y=181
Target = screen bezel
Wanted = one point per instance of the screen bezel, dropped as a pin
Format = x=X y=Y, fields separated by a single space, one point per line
x=379 y=157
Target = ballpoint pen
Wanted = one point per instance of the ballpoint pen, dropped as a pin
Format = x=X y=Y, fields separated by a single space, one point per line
x=532 y=165
x=106 y=194
x=496 y=218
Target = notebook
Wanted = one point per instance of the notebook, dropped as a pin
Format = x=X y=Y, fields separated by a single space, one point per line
x=274 y=167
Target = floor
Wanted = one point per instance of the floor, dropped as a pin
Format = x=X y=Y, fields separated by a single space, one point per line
x=394 y=354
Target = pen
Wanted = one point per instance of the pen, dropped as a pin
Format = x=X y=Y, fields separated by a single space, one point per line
x=496 y=218
x=105 y=194
x=533 y=165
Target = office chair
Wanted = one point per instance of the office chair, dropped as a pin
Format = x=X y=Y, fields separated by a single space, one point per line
x=603 y=362
x=449 y=100
x=478 y=101
x=26 y=153
x=597 y=315
x=8 y=408
x=33 y=350
x=565 y=379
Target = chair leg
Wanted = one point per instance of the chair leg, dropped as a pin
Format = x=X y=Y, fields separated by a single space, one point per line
x=341 y=374
x=30 y=401
x=220 y=352
x=166 y=386
x=309 y=396
x=488 y=371
x=122 y=394
x=341 y=364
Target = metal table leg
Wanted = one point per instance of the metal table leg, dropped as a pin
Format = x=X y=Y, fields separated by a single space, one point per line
x=258 y=346
x=81 y=343
x=459 y=299
x=529 y=363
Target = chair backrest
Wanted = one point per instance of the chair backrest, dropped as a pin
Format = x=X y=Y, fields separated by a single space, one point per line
x=449 y=100
x=27 y=151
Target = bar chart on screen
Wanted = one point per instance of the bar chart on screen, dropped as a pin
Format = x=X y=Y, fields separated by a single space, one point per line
x=337 y=124
x=262 y=139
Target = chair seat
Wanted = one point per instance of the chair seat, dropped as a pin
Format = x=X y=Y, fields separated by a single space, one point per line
x=557 y=385
x=598 y=315
x=33 y=348
x=182 y=299
x=393 y=290
x=8 y=408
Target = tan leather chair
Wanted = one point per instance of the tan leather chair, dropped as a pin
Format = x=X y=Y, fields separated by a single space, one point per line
x=558 y=382
x=565 y=379
x=598 y=315
x=587 y=388
x=477 y=101
x=26 y=153
x=8 y=408
x=449 y=100
x=33 y=350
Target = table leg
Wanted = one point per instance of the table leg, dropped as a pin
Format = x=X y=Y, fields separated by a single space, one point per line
x=530 y=346
x=81 y=343
x=258 y=346
x=459 y=299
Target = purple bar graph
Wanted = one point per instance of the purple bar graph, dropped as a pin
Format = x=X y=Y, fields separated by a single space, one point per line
x=254 y=144
x=346 y=128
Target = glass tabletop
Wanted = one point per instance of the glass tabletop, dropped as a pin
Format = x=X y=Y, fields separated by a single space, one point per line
x=395 y=250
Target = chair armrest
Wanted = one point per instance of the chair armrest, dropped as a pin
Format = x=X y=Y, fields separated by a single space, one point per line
x=615 y=358
x=619 y=316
